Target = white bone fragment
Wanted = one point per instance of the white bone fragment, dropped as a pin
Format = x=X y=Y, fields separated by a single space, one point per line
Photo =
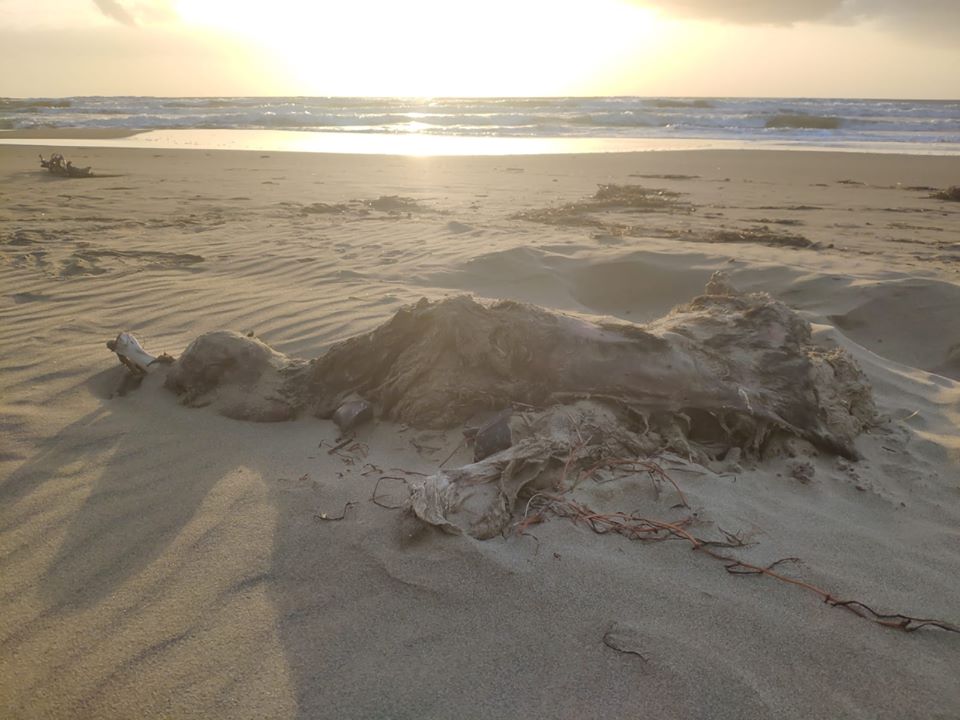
x=131 y=353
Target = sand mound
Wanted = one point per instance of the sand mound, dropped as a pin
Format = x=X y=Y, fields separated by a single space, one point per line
x=913 y=322
x=643 y=285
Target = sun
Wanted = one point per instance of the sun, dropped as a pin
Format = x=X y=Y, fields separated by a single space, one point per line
x=433 y=48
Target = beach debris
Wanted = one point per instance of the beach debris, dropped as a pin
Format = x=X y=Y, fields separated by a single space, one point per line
x=952 y=193
x=622 y=199
x=802 y=470
x=732 y=369
x=320 y=208
x=664 y=176
x=340 y=445
x=727 y=370
x=132 y=355
x=635 y=527
x=491 y=436
x=64 y=168
x=723 y=376
x=242 y=377
x=137 y=361
x=762 y=236
x=724 y=370
x=353 y=413
x=478 y=499
x=334 y=518
x=552 y=449
x=377 y=499
x=395 y=204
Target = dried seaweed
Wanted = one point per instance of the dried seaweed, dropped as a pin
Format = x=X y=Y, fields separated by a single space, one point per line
x=952 y=194
x=635 y=527
x=762 y=236
x=395 y=204
x=57 y=165
x=610 y=197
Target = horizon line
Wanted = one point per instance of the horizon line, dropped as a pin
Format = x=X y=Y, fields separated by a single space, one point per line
x=499 y=97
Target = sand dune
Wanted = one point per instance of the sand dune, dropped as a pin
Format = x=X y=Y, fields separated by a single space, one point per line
x=163 y=561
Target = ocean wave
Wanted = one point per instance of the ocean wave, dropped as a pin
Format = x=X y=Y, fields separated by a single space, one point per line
x=25 y=106
x=201 y=103
x=794 y=120
x=804 y=122
x=673 y=103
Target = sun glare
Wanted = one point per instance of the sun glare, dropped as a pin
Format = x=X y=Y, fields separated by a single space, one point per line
x=429 y=48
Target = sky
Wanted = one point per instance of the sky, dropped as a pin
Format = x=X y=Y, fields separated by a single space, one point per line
x=431 y=48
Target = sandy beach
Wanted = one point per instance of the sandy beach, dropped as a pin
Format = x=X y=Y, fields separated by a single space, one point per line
x=160 y=561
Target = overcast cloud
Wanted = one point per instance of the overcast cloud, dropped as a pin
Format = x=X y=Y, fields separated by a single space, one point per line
x=925 y=20
x=115 y=11
x=750 y=11
x=135 y=12
x=913 y=13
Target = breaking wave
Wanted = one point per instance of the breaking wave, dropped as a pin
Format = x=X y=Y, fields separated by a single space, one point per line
x=742 y=119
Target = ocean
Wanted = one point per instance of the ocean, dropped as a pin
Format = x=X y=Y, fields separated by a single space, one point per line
x=891 y=125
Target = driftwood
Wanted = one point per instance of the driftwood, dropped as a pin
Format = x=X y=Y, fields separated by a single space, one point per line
x=58 y=166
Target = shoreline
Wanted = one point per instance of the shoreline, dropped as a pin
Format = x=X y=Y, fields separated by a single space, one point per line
x=69 y=133
x=421 y=145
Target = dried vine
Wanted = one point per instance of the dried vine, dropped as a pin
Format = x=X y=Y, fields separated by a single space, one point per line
x=635 y=527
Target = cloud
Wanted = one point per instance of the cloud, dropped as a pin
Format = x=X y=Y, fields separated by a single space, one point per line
x=136 y=12
x=935 y=16
x=110 y=60
x=115 y=11
x=777 y=12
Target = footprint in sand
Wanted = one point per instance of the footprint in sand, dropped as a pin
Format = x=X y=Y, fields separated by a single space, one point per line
x=99 y=262
x=78 y=266
x=35 y=259
x=27 y=297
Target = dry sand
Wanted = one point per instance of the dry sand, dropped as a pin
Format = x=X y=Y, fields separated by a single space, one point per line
x=159 y=561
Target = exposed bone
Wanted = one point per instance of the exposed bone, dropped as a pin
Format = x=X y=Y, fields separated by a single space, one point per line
x=131 y=353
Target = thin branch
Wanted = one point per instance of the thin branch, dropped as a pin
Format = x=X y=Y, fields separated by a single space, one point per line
x=341 y=516
x=375 y=499
x=342 y=444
